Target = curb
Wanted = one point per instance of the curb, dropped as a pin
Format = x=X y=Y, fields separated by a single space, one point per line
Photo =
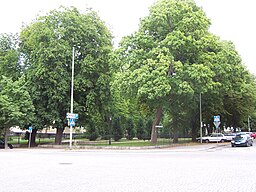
x=205 y=146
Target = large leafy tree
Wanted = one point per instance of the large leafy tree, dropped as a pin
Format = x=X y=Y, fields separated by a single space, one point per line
x=160 y=60
x=47 y=45
x=231 y=98
x=173 y=58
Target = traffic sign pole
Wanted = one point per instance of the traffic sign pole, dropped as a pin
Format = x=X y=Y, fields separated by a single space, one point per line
x=72 y=96
x=30 y=131
x=72 y=115
x=201 y=123
x=216 y=121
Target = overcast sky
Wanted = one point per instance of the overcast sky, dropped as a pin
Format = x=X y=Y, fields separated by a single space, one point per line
x=231 y=19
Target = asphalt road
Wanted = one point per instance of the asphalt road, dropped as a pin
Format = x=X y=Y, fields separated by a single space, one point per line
x=208 y=167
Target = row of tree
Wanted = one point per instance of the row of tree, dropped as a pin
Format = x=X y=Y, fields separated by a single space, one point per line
x=117 y=130
x=156 y=74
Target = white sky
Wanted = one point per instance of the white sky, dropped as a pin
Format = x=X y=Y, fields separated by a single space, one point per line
x=231 y=19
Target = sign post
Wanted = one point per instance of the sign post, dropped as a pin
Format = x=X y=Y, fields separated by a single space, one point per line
x=71 y=100
x=72 y=122
x=30 y=132
x=216 y=122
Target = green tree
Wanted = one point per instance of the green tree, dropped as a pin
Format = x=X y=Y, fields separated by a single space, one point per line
x=231 y=98
x=129 y=128
x=173 y=58
x=160 y=60
x=149 y=123
x=117 y=129
x=47 y=48
x=10 y=59
x=92 y=132
x=16 y=108
x=140 y=127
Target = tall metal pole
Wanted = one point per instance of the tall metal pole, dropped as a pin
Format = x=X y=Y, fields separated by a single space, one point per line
x=201 y=123
x=29 y=142
x=72 y=96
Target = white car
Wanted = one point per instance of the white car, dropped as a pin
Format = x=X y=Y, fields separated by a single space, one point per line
x=214 y=137
x=229 y=136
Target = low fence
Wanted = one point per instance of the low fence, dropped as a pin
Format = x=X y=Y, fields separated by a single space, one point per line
x=21 y=139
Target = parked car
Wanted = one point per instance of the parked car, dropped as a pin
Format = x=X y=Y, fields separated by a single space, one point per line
x=249 y=133
x=229 y=136
x=2 y=145
x=242 y=139
x=253 y=135
x=214 y=137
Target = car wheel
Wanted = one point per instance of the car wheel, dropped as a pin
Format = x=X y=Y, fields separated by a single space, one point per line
x=10 y=146
x=222 y=141
x=207 y=141
x=232 y=145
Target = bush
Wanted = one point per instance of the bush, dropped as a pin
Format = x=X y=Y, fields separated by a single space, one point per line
x=117 y=129
x=148 y=129
x=141 y=131
x=92 y=132
x=130 y=131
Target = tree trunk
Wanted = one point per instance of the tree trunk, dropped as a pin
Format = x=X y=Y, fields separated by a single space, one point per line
x=58 y=137
x=175 y=138
x=6 y=138
x=33 y=138
x=176 y=129
x=194 y=130
x=158 y=118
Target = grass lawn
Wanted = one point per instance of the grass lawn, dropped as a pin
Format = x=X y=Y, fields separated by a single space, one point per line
x=131 y=143
x=85 y=142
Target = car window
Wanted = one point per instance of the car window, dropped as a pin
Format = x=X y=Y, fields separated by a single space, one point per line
x=241 y=136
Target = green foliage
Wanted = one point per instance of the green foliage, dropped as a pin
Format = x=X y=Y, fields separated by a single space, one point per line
x=166 y=41
x=10 y=64
x=141 y=131
x=173 y=58
x=92 y=131
x=117 y=129
x=165 y=65
x=47 y=48
x=16 y=108
x=149 y=123
x=130 y=129
x=143 y=128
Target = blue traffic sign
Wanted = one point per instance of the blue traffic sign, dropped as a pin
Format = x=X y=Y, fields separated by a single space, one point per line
x=72 y=115
x=72 y=122
x=216 y=118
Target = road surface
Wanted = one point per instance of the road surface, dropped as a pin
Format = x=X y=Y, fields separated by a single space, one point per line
x=207 y=167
